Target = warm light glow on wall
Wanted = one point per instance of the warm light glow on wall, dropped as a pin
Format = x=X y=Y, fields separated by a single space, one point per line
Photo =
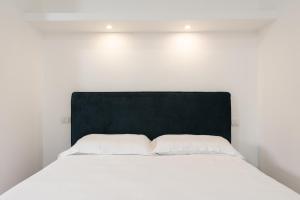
x=111 y=47
x=179 y=48
x=112 y=42
x=108 y=27
x=187 y=27
x=185 y=47
x=186 y=43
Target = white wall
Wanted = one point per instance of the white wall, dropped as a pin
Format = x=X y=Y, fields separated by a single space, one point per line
x=20 y=135
x=150 y=62
x=279 y=84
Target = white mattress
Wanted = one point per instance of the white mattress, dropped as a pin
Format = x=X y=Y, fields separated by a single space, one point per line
x=193 y=177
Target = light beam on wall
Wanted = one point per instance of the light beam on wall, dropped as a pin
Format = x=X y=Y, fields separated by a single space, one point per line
x=187 y=27
x=186 y=47
x=108 y=27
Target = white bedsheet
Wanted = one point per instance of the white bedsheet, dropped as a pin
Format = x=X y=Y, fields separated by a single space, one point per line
x=188 y=177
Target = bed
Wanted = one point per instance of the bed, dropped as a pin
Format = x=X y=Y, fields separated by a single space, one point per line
x=135 y=177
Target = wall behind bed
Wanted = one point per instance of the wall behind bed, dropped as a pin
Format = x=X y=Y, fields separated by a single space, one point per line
x=149 y=62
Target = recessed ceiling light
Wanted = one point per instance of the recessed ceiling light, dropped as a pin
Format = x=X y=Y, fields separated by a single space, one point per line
x=187 y=27
x=108 y=26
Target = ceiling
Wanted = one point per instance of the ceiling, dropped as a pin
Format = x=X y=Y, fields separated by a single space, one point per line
x=150 y=16
x=158 y=6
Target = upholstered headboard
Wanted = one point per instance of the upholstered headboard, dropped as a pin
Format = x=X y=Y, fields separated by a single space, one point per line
x=150 y=113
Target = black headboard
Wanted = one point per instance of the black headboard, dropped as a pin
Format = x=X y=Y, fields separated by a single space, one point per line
x=151 y=113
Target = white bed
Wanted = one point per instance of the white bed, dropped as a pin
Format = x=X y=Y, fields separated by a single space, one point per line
x=187 y=165
x=130 y=177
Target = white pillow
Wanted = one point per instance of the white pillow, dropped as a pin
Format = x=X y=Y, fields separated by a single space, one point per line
x=113 y=144
x=192 y=144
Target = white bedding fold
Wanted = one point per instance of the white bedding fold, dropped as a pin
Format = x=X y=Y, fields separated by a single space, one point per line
x=113 y=177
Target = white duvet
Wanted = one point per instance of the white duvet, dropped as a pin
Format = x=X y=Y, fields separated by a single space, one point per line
x=186 y=177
